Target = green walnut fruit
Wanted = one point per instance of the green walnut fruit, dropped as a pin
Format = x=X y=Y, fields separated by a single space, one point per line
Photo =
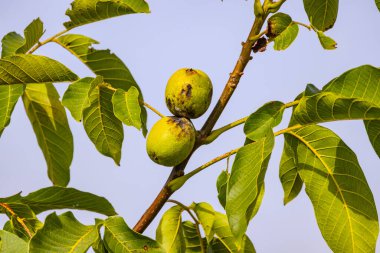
x=188 y=93
x=170 y=140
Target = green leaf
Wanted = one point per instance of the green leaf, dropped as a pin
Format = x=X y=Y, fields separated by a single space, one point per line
x=169 y=232
x=263 y=120
x=127 y=107
x=328 y=106
x=377 y=2
x=9 y=95
x=10 y=43
x=99 y=246
x=63 y=233
x=286 y=38
x=55 y=197
x=26 y=69
x=10 y=243
x=326 y=42
x=245 y=184
x=49 y=121
x=102 y=63
x=32 y=33
x=221 y=185
x=342 y=200
x=193 y=244
x=217 y=246
x=322 y=13
x=119 y=238
x=373 y=130
x=278 y=23
x=290 y=179
x=76 y=97
x=87 y=11
x=362 y=83
x=101 y=125
x=23 y=221
x=205 y=213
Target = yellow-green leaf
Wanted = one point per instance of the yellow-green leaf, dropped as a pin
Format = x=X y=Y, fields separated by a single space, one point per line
x=119 y=238
x=10 y=243
x=32 y=33
x=49 y=121
x=342 y=200
x=246 y=184
x=9 y=95
x=101 y=125
x=63 y=234
x=127 y=107
x=87 y=11
x=76 y=97
x=169 y=232
x=322 y=13
x=326 y=42
x=26 y=69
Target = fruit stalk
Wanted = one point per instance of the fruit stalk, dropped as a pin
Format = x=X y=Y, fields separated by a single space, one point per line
x=177 y=171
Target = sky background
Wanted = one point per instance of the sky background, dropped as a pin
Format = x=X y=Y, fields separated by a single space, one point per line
x=206 y=35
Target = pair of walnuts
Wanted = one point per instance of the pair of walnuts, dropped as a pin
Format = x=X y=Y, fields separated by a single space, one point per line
x=188 y=95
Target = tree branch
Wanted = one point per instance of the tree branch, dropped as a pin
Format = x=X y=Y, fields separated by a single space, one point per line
x=177 y=171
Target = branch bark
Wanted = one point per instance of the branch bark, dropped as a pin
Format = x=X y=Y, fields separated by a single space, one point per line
x=244 y=58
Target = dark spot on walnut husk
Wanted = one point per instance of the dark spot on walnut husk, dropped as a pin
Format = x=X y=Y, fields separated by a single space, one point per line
x=169 y=102
x=191 y=71
x=146 y=248
x=154 y=156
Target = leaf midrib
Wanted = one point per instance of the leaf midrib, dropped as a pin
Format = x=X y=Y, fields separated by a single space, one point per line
x=315 y=152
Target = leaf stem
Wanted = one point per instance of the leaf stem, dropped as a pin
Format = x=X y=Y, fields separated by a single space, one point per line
x=288 y=129
x=215 y=134
x=179 y=182
x=39 y=44
x=20 y=220
x=309 y=27
x=188 y=210
x=153 y=109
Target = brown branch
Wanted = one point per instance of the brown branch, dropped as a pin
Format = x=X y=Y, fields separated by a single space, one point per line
x=244 y=58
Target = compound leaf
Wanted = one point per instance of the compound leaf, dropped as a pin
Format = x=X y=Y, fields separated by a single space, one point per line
x=102 y=63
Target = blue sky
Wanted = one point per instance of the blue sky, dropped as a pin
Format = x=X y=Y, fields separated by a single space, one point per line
x=204 y=35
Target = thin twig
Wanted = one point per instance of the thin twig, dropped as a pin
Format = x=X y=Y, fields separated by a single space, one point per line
x=178 y=182
x=153 y=109
x=197 y=223
x=39 y=44
x=309 y=27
